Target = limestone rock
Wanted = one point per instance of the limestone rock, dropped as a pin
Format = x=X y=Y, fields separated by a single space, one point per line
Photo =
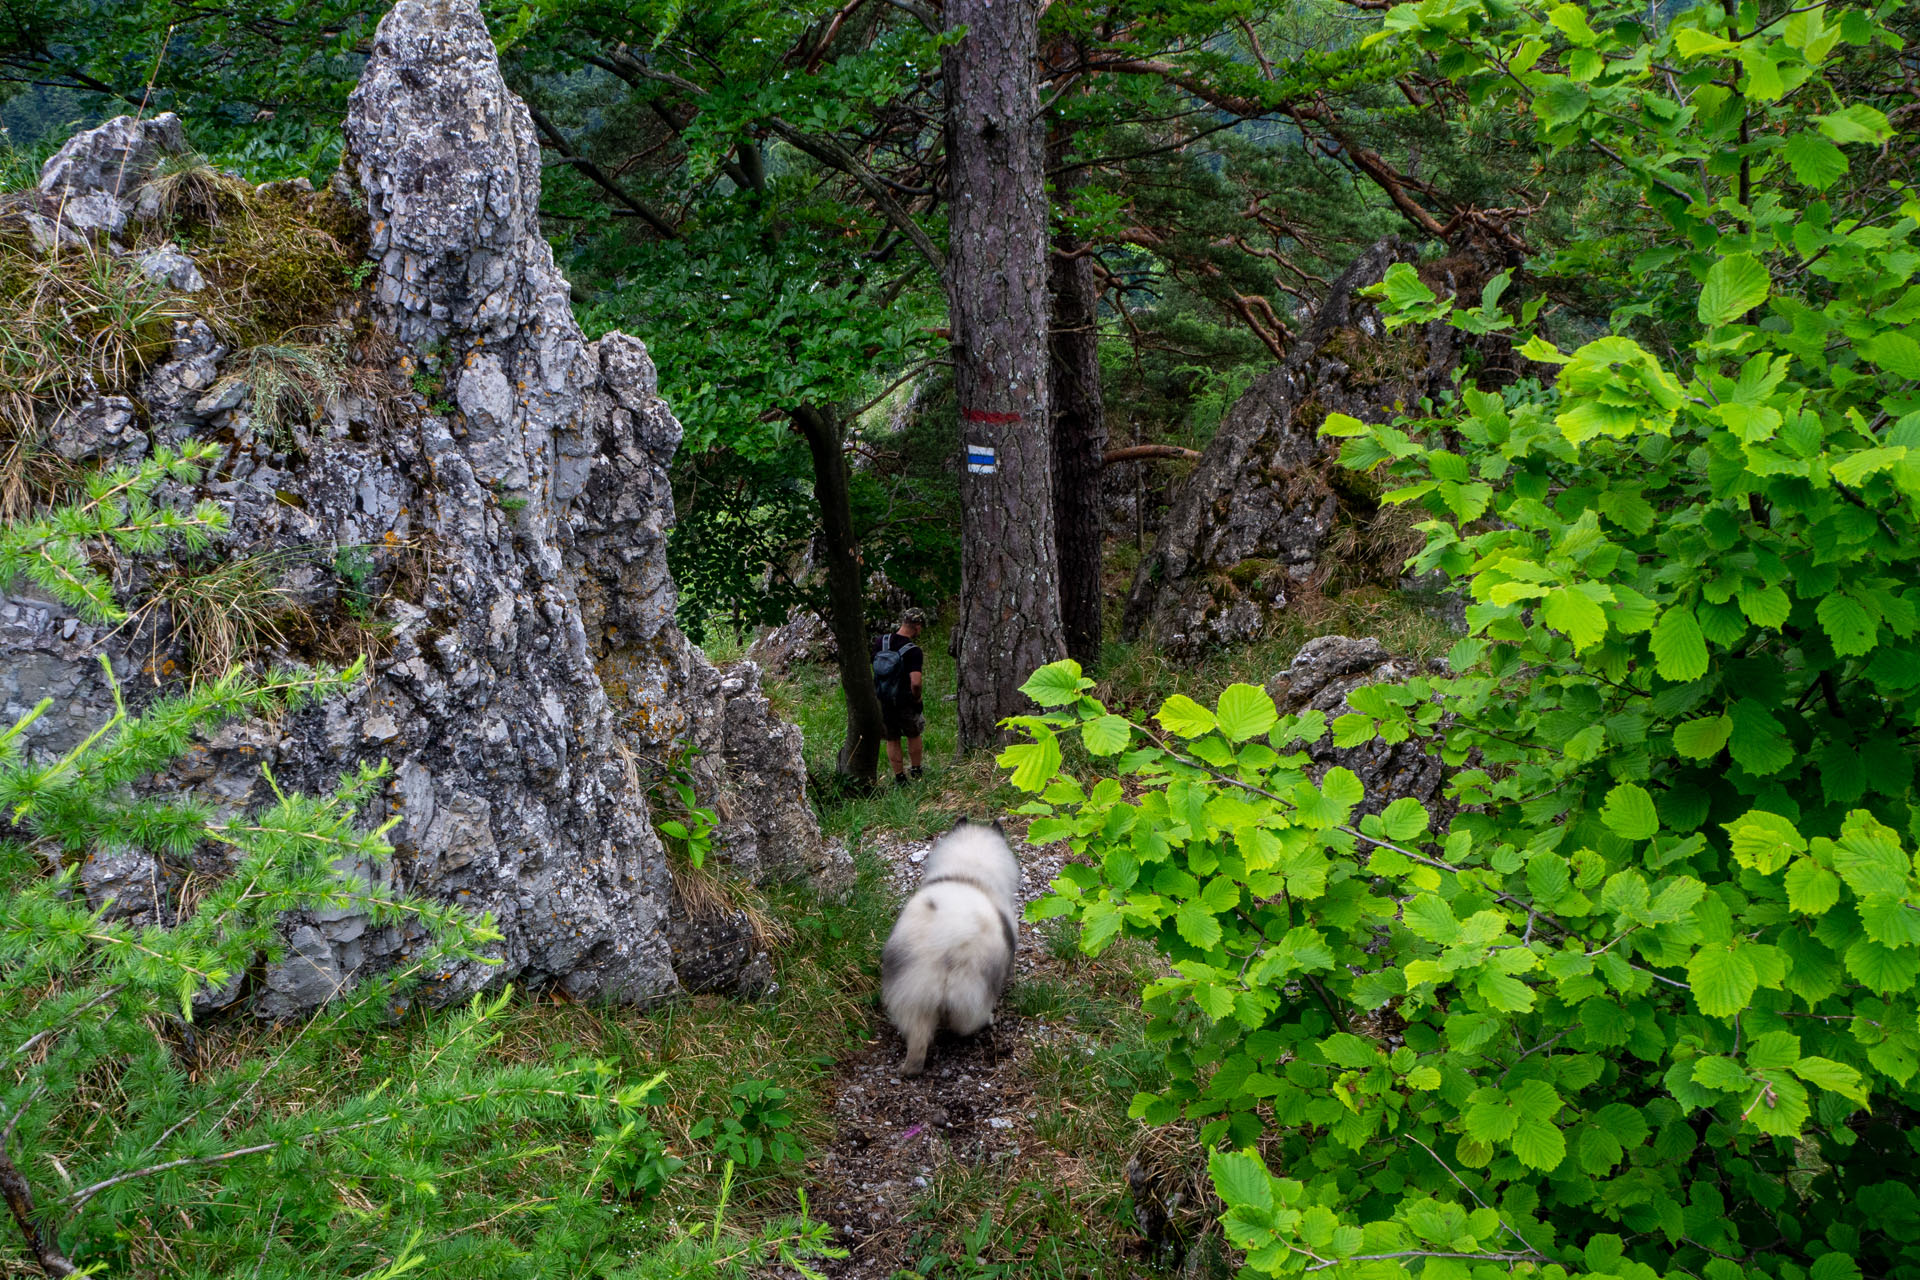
x=803 y=638
x=94 y=428
x=114 y=158
x=672 y=703
x=131 y=884
x=1320 y=677
x=95 y=176
x=1254 y=524
x=528 y=683
x=173 y=268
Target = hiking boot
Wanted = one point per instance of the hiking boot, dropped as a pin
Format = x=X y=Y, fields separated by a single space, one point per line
x=916 y=773
x=899 y=779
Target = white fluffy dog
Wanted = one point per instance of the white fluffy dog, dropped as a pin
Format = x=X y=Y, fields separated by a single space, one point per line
x=951 y=950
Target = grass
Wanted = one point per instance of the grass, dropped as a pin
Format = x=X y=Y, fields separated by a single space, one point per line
x=955 y=785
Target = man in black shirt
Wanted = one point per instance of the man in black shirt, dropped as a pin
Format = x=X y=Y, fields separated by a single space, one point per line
x=898 y=665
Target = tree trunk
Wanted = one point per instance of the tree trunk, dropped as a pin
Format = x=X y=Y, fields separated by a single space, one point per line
x=1079 y=418
x=1009 y=617
x=859 y=758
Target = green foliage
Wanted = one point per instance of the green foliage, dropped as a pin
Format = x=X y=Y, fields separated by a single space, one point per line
x=690 y=834
x=1646 y=1005
x=355 y=568
x=752 y=1130
x=634 y=1160
x=54 y=549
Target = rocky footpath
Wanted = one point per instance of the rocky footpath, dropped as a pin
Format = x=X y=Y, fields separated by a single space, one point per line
x=528 y=684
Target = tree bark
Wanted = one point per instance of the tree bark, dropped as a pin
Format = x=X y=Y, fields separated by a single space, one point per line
x=1079 y=417
x=18 y=1194
x=859 y=758
x=1009 y=617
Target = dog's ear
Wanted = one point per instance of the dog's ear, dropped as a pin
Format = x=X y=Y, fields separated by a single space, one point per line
x=997 y=827
x=958 y=823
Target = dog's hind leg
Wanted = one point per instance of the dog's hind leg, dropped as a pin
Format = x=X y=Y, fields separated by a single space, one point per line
x=919 y=1033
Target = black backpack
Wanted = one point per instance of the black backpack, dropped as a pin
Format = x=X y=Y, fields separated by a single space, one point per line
x=890 y=674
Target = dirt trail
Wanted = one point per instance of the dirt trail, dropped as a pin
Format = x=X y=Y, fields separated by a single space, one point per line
x=973 y=1105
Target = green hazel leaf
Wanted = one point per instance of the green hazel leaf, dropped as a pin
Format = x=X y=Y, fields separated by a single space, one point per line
x=1539 y=1144
x=1405 y=288
x=1404 y=820
x=1629 y=812
x=1342 y=787
x=1723 y=980
x=1352 y=729
x=1855 y=467
x=1811 y=888
x=1815 y=162
x=1197 y=925
x=1185 y=718
x=1701 y=739
x=1774 y=1051
x=1106 y=734
x=1720 y=1073
x=1869 y=858
x=1491 y=1119
x=1576 y=615
x=1679 y=650
x=1033 y=763
x=1241 y=1180
x=1765 y=606
x=1505 y=992
x=1857 y=123
x=1429 y=917
x=1735 y=285
x=1835 y=1077
x=1782 y=1109
x=1758 y=743
x=1764 y=841
x=1056 y=683
x=1848 y=623
x=1246 y=711
x=1895 y=352
x=1882 y=969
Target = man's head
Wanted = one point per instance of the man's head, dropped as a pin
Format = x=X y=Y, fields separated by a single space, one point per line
x=913 y=622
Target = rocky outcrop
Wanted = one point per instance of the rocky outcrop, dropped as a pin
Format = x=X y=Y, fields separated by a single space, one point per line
x=497 y=545
x=1321 y=677
x=1254 y=525
x=801 y=639
x=96 y=177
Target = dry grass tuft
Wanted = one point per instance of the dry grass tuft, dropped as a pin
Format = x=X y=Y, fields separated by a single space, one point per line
x=188 y=190
x=222 y=615
x=292 y=383
x=75 y=321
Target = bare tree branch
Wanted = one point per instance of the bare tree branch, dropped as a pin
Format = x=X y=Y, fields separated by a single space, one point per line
x=598 y=175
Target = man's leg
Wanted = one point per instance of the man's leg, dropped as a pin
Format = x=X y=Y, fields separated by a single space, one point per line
x=913 y=752
x=893 y=755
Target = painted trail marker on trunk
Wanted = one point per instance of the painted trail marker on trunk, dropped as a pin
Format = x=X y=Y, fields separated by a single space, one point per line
x=982 y=460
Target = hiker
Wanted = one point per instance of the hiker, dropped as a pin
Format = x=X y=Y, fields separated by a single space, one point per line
x=897 y=668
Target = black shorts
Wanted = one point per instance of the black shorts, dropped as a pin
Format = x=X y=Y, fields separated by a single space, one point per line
x=901 y=722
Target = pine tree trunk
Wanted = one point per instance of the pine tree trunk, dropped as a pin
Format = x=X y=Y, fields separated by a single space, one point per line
x=1079 y=418
x=859 y=758
x=1009 y=618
